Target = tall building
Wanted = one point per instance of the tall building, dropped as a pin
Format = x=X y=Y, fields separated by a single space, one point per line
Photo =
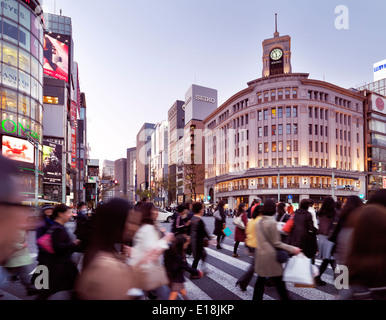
x=92 y=185
x=176 y=121
x=200 y=103
x=62 y=107
x=131 y=174
x=120 y=174
x=285 y=136
x=22 y=40
x=159 y=167
x=107 y=174
x=143 y=154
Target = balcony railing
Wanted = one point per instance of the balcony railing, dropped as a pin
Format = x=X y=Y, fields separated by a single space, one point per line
x=293 y=185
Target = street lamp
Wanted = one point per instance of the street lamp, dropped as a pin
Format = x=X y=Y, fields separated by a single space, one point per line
x=64 y=173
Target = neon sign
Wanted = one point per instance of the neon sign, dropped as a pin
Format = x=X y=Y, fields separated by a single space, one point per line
x=18 y=128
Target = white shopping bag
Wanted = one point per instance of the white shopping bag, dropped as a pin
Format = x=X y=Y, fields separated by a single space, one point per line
x=299 y=270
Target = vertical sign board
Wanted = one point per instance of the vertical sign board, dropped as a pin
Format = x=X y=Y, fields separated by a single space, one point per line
x=384 y=182
x=73 y=133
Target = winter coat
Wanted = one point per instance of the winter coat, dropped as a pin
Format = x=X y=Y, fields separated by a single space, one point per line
x=218 y=224
x=197 y=235
x=106 y=278
x=175 y=266
x=62 y=270
x=240 y=233
x=21 y=257
x=303 y=234
x=265 y=254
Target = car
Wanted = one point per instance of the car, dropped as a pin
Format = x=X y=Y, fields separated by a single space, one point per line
x=164 y=216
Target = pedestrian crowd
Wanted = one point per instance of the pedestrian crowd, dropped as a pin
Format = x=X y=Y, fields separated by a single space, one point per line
x=125 y=254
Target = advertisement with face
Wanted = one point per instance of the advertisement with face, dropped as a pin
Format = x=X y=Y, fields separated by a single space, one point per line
x=18 y=149
x=52 y=162
x=56 y=56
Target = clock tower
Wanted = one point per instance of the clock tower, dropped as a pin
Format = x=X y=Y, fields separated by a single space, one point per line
x=276 y=54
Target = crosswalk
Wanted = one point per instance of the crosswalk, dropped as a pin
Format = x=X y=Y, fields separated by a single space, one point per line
x=223 y=270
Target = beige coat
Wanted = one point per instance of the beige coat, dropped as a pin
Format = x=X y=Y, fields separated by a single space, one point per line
x=265 y=255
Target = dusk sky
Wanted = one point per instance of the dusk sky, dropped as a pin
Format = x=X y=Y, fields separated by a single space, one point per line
x=136 y=58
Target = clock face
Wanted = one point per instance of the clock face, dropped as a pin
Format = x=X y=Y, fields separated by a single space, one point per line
x=276 y=54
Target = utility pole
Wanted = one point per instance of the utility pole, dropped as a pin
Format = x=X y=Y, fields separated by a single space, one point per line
x=278 y=185
x=36 y=147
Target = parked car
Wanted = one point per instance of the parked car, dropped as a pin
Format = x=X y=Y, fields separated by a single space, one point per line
x=164 y=216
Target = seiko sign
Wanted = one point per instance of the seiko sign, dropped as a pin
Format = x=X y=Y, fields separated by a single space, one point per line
x=205 y=99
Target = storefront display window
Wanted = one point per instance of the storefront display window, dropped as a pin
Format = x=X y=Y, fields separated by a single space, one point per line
x=24 y=82
x=9 y=122
x=24 y=61
x=10 y=54
x=10 y=77
x=24 y=105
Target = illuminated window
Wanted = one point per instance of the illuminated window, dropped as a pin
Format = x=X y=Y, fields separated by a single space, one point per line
x=273 y=112
x=274 y=146
x=50 y=100
x=288 y=146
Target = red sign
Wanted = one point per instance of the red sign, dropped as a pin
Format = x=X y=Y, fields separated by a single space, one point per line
x=73 y=148
x=384 y=182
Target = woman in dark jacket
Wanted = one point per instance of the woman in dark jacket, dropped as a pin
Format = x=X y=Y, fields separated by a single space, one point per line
x=198 y=235
x=219 y=225
x=175 y=264
x=303 y=234
x=42 y=227
x=62 y=270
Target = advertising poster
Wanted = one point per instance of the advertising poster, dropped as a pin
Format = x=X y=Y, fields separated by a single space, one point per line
x=56 y=56
x=18 y=149
x=52 y=162
x=73 y=148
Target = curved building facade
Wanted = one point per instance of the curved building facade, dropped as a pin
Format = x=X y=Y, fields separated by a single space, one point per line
x=21 y=85
x=286 y=137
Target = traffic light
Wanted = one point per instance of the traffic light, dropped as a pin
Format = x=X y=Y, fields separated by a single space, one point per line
x=115 y=182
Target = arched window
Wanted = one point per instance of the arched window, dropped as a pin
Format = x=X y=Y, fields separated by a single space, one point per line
x=294 y=93
x=266 y=96
x=273 y=95
x=280 y=94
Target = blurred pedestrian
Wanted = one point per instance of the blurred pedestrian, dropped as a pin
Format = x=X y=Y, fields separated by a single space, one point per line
x=175 y=263
x=62 y=270
x=251 y=244
x=199 y=237
x=105 y=274
x=281 y=212
x=343 y=230
x=303 y=233
x=326 y=216
x=12 y=212
x=149 y=243
x=290 y=209
x=378 y=198
x=180 y=220
x=312 y=210
x=266 y=264
x=84 y=226
x=366 y=259
x=219 y=225
x=239 y=232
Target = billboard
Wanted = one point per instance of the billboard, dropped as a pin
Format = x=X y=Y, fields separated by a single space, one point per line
x=378 y=103
x=18 y=149
x=379 y=70
x=52 y=162
x=56 y=55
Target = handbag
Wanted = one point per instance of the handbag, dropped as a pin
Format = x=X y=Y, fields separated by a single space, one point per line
x=150 y=278
x=217 y=215
x=288 y=226
x=281 y=255
x=238 y=222
x=299 y=270
x=45 y=242
x=227 y=232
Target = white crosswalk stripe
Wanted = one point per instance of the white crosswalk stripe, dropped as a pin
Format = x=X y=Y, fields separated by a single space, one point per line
x=224 y=261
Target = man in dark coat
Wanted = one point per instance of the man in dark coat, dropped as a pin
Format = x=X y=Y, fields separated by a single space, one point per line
x=219 y=225
x=303 y=234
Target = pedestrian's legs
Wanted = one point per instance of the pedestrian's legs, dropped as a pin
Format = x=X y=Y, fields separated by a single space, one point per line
x=162 y=293
x=173 y=295
x=235 y=247
x=244 y=280
x=322 y=268
x=258 y=292
x=280 y=287
x=25 y=278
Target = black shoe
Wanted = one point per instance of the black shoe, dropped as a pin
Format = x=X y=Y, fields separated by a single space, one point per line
x=151 y=296
x=320 y=282
x=194 y=277
x=219 y=247
x=241 y=287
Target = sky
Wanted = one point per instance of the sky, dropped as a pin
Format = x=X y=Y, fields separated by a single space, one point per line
x=136 y=58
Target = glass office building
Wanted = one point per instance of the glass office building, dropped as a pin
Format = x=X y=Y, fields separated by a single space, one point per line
x=21 y=86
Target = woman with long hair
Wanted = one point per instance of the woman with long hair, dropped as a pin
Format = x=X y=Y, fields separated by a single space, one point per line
x=105 y=274
x=239 y=231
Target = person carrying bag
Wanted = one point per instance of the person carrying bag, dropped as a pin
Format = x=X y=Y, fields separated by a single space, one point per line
x=299 y=271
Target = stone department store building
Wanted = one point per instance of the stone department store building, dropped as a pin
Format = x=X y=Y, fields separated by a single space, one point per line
x=286 y=137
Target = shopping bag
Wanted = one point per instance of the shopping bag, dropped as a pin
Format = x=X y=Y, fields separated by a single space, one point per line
x=299 y=270
x=227 y=231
